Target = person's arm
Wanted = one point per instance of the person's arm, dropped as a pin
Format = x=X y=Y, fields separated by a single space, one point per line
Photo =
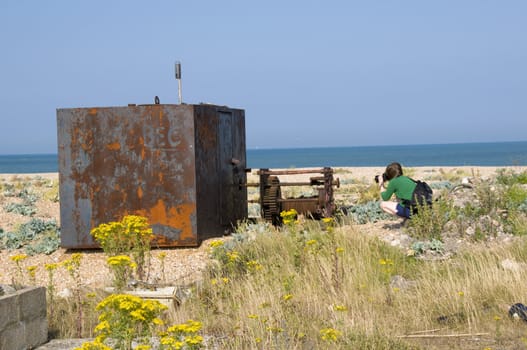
x=386 y=192
x=381 y=186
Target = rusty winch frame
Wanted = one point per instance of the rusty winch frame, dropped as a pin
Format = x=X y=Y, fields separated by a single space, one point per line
x=318 y=206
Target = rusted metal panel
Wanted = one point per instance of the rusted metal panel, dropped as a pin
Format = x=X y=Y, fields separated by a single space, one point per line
x=158 y=161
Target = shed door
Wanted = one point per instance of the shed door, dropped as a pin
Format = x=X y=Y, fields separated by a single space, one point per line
x=225 y=148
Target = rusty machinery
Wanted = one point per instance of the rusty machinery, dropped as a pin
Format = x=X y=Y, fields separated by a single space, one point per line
x=318 y=206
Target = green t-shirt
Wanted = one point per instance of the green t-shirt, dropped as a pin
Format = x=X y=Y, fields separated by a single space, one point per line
x=402 y=186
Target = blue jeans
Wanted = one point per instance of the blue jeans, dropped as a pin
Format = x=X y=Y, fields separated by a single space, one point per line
x=403 y=212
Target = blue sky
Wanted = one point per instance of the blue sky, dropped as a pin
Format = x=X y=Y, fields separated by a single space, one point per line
x=307 y=73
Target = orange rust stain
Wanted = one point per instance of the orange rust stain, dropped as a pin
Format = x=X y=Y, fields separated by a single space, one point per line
x=115 y=146
x=141 y=142
x=183 y=212
x=139 y=192
x=160 y=177
x=178 y=217
x=92 y=111
x=125 y=196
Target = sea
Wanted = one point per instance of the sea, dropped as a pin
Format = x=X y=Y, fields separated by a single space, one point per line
x=454 y=154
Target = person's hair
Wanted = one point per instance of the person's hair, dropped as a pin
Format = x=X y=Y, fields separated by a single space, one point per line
x=393 y=170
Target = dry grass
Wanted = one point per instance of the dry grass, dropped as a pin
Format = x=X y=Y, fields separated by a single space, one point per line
x=351 y=293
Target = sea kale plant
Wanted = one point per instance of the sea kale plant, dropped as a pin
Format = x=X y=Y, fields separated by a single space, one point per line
x=36 y=236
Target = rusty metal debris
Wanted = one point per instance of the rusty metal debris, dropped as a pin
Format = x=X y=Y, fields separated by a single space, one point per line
x=317 y=206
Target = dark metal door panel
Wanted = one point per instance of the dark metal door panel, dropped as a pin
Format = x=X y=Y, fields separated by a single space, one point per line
x=225 y=157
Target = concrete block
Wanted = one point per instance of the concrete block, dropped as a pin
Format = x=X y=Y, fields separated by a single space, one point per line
x=13 y=337
x=23 y=319
x=36 y=332
x=32 y=302
x=8 y=311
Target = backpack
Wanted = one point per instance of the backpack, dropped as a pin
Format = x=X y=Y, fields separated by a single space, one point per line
x=423 y=195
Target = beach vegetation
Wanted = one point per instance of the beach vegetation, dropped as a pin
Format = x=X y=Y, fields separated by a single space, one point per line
x=291 y=301
x=20 y=208
x=510 y=177
x=453 y=175
x=277 y=288
x=318 y=284
x=367 y=212
x=130 y=236
x=35 y=236
x=429 y=222
x=51 y=192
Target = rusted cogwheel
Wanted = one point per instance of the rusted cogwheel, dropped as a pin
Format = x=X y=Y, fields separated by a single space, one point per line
x=270 y=204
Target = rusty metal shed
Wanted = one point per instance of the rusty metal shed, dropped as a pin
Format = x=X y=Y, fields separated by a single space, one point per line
x=178 y=165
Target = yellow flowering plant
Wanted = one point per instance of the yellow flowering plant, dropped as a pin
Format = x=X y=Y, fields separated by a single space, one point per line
x=18 y=280
x=132 y=235
x=32 y=271
x=162 y=256
x=93 y=345
x=50 y=268
x=182 y=336
x=289 y=216
x=122 y=267
x=126 y=317
x=73 y=265
x=330 y=334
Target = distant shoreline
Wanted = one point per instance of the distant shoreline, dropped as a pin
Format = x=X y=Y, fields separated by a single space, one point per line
x=357 y=172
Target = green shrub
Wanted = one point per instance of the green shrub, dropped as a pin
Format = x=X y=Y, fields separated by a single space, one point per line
x=429 y=222
x=509 y=177
x=514 y=197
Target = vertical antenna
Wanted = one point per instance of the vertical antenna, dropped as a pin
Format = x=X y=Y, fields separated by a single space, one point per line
x=178 y=78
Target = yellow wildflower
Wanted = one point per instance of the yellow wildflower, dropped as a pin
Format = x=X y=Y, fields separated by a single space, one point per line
x=330 y=334
x=385 y=261
x=51 y=267
x=143 y=347
x=215 y=244
x=340 y=308
x=19 y=257
x=254 y=265
x=233 y=256
x=193 y=339
x=311 y=242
